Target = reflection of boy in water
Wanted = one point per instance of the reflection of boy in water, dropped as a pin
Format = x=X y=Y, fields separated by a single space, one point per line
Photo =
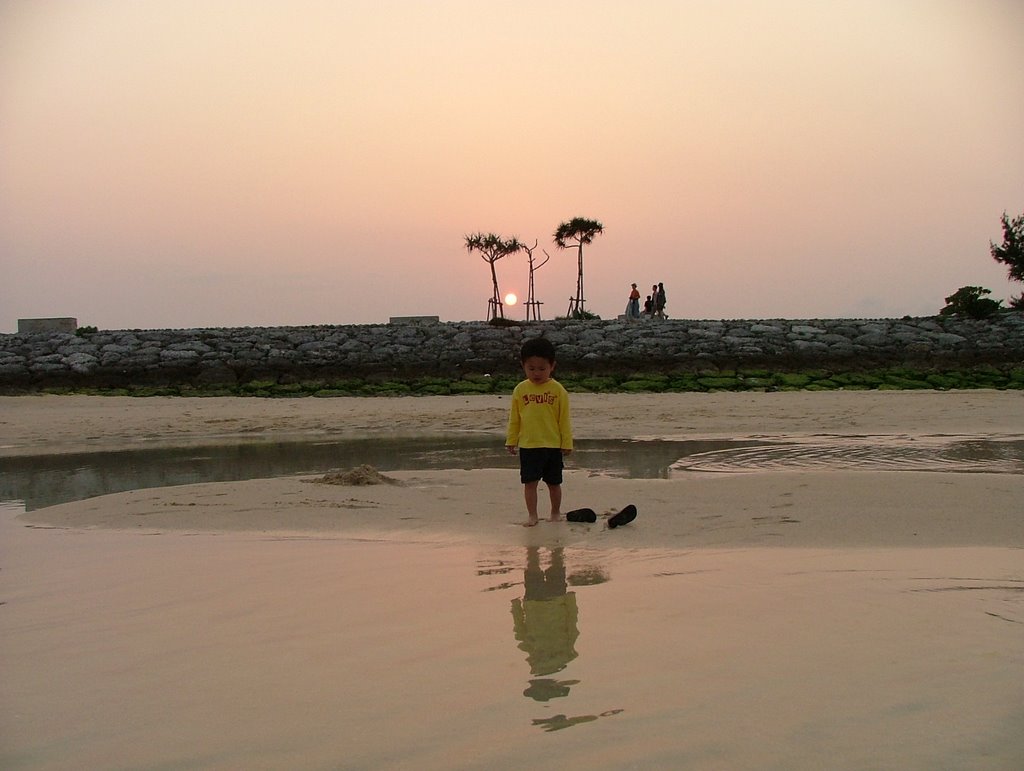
x=545 y=620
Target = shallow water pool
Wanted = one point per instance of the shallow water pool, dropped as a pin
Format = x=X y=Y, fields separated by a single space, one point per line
x=40 y=481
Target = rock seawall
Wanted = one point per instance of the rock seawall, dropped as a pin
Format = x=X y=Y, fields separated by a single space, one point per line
x=205 y=358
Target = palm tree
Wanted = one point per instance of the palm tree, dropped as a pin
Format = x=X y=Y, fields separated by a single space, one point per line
x=492 y=248
x=578 y=231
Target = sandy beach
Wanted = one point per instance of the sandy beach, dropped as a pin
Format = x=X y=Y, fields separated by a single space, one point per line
x=832 y=508
x=61 y=424
x=789 y=618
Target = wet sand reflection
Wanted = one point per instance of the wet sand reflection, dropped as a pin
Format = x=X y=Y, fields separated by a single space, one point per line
x=546 y=625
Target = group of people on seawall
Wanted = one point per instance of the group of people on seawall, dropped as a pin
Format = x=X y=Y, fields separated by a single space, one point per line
x=654 y=305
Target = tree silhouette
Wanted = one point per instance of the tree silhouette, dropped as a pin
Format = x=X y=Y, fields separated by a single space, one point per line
x=971 y=301
x=492 y=248
x=1011 y=252
x=532 y=304
x=578 y=231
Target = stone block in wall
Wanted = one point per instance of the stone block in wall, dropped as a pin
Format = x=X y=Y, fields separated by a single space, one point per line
x=37 y=326
x=415 y=320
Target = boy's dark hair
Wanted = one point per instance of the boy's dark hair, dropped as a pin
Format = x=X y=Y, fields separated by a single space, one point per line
x=538 y=346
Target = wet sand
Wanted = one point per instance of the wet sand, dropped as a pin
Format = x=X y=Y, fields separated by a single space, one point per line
x=770 y=620
x=60 y=424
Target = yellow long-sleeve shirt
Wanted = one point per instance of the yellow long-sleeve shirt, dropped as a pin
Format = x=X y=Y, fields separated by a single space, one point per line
x=539 y=416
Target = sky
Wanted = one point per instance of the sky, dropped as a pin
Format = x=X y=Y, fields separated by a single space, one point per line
x=207 y=163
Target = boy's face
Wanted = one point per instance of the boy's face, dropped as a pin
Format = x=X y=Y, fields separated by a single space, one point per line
x=538 y=369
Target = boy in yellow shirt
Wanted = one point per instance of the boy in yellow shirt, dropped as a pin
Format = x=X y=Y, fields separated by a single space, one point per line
x=539 y=427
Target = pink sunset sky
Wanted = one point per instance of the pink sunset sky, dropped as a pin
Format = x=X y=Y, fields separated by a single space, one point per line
x=187 y=163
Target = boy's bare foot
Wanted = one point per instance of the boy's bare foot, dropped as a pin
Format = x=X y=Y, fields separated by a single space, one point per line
x=555 y=518
x=530 y=523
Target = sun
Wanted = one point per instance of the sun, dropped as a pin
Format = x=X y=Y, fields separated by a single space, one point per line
x=510 y=299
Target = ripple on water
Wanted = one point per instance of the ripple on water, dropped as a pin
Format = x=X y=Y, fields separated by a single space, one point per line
x=894 y=453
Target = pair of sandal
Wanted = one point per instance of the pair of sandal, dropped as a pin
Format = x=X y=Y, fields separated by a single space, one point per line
x=623 y=517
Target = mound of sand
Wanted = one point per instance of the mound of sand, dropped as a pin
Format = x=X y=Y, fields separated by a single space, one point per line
x=360 y=475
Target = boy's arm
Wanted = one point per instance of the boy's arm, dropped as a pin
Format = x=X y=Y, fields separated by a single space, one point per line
x=565 y=423
x=514 y=422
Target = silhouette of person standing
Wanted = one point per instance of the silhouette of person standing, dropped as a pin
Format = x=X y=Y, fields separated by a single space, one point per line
x=633 y=307
x=659 y=302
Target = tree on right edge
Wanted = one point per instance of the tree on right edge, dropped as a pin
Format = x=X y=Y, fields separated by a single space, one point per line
x=1011 y=252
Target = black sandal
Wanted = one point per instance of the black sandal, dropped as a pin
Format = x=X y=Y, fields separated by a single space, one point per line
x=624 y=517
x=581 y=515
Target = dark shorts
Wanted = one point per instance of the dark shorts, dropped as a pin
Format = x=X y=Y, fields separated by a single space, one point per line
x=536 y=463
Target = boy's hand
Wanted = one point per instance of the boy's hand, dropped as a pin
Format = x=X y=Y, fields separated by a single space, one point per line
x=566 y=452
x=511 y=449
